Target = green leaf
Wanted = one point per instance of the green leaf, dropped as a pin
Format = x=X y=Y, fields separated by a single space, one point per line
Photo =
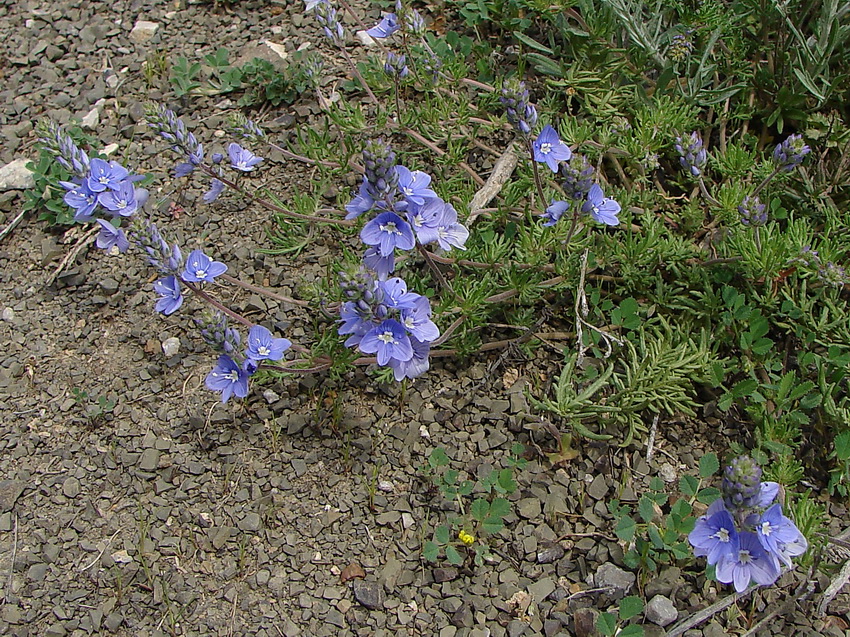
x=453 y=556
x=688 y=485
x=492 y=525
x=606 y=624
x=533 y=44
x=438 y=458
x=625 y=528
x=632 y=630
x=655 y=537
x=506 y=481
x=479 y=509
x=708 y=465
x=646 y=510
x=430 y=551
x=708 y=495
x=465 y=488
x=630 y=607
x=500 y=507
x=842 y=446
x=441 y=535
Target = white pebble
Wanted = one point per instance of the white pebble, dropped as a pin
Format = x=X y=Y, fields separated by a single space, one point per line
x=170 y=346
x=8 y=314
x=386 y=486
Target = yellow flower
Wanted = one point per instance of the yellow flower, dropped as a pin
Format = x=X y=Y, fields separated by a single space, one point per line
x=466 y=538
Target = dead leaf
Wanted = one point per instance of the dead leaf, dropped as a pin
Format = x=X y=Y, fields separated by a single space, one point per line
x=510 y=377
x=352 y=571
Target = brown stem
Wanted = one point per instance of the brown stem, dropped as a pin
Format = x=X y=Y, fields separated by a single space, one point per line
x=264 y=291
x=268 y=204
x=217 y=305
x=359 y=77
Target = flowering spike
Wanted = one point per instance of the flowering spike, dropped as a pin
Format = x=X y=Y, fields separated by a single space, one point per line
x=692 y=155
x=790 y=153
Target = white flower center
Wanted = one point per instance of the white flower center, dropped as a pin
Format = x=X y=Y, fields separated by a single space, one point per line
x=386 y=337
x=766 y=529
x=722 y=535
x=545 y=148
x=120 y=204
x=200 y=273
x=389 y=227
x=409 y=323
x=407 y=190
x=263 y=350
x=232 y=376
x=744 y=556
x=103 y=179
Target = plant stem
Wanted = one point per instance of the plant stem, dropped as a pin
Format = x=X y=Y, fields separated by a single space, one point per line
x=766 y=181
x=440 y=278
x=264 y=291
x=217 y=305
x=268 y=204
x=537 y=181
x=356 y=72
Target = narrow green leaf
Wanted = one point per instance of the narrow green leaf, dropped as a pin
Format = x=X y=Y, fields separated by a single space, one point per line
x=533 y=44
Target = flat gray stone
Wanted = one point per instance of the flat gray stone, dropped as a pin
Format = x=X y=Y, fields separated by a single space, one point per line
x=660 y=610
x=369 y=594
x=16 y=176
x=143 y=31
x=612 y=576
x=10 y=490
x=149 y=460
x=71 y=487
x=529 y=508
x=541 y=589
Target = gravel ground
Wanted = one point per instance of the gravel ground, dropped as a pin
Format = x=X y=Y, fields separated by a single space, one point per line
x=177 y=515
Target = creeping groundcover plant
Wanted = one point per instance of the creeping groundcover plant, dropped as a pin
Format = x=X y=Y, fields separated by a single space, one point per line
x=651 y=238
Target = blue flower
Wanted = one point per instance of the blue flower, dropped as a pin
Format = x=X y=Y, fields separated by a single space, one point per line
x=394 y=294
x=775 y=530
x=263 y=345
x=121 y=201
x=216 y=188
x=382 y=266
x=601 y=209
x=554 y=212
x=354 y=321
x=171 y=298
x=228 y=378
x=386 y=27
x=417 y=321
x=81 y=199
x=747 y=562
x=418 y=363
x=242 y=159
x=388 y=341
x=110 y=237
x=199 y=267
x=363 y=202
x=549 y=149
x=413 y=186
x=714 y=533
x=105 y=175
x=388 y=231
x=446 y=232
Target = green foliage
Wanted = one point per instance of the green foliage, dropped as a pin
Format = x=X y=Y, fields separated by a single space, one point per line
x=94 y=408
x=485 y=514
x=609 y=624
x=655 y=375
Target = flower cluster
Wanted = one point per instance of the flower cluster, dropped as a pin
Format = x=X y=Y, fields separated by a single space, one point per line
x=404 y=18
x=408 y=211
x=171 y=128
x=380 y=316
x=229 y=376
x=680 y=47
x=520 y=112
x=106 y=185
x=585 y=196
x=790 y=153
x=744 y=533
x=384 y=319
x=692 y=155
x=327 y=18
x=753 y=212
x=396 y=66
